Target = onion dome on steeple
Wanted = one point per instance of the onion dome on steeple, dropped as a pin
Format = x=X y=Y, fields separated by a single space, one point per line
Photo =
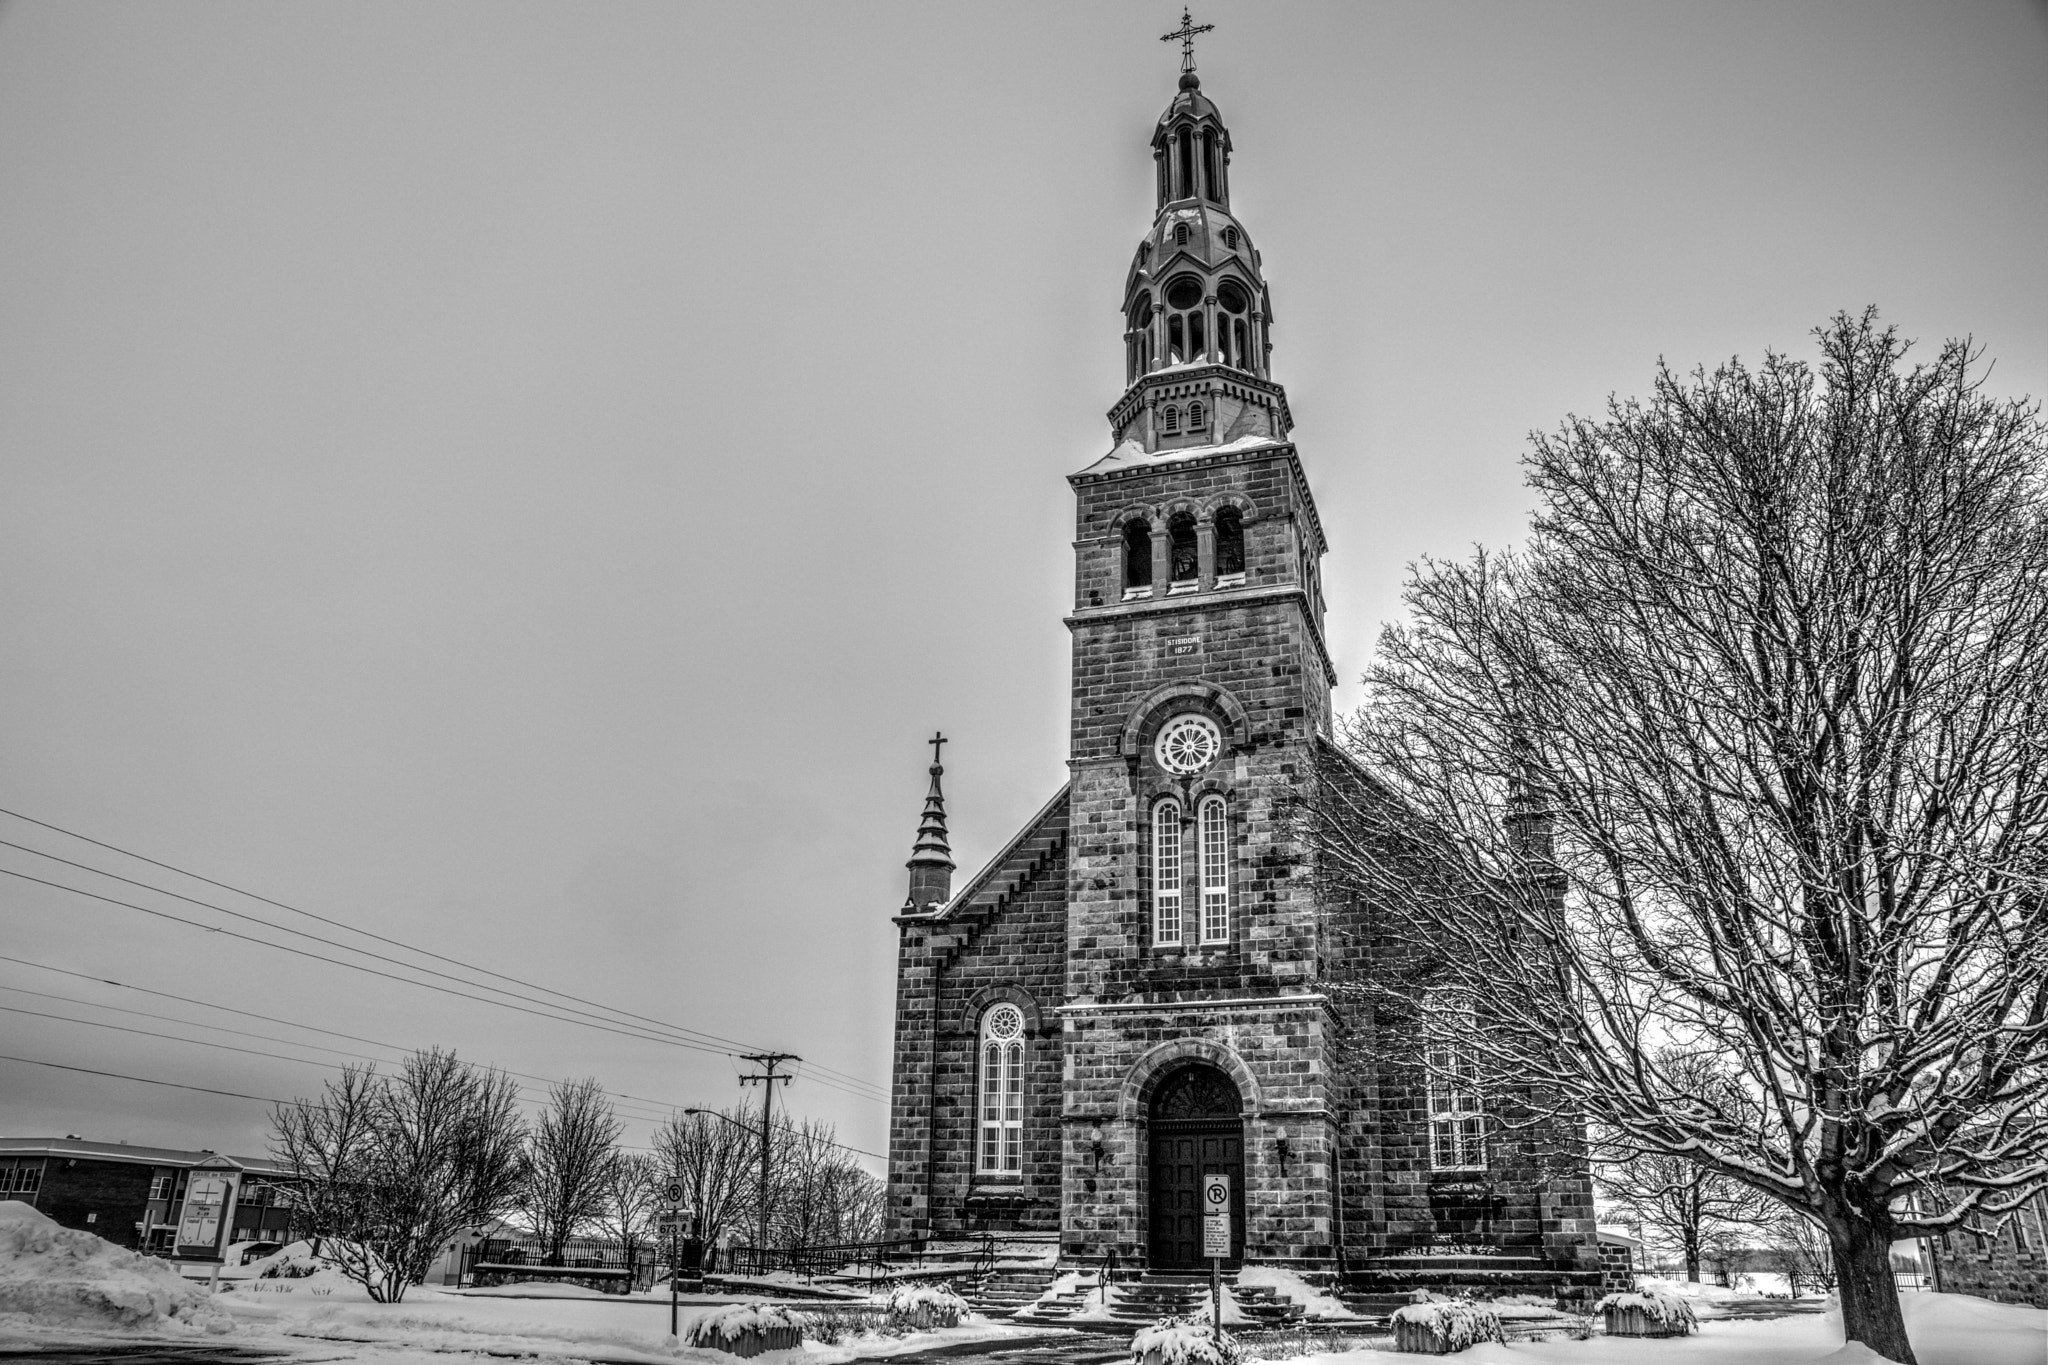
x=1197 y=313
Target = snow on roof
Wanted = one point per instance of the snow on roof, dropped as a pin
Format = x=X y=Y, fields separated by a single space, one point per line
x=140 y=1156
x=1130 y=454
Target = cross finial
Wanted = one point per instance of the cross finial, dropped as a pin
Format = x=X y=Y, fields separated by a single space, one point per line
x=1186 y=34
x=935 y=741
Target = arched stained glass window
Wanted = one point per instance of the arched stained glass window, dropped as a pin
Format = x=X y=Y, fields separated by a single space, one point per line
x=1166 y=928
x=1001 y=1149
x=1213 y=818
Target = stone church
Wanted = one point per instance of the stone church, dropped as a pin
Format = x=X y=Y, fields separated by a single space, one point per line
x=1134 y=992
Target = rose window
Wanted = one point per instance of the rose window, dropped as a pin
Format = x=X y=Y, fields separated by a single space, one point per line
x=1004 y=1023
x=1188 y=744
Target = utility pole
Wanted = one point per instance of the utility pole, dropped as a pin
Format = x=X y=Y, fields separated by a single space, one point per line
x=767 y=1061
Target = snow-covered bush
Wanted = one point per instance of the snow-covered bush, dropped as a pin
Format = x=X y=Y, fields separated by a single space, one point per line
x=921 y=1307
x=56 y=1274
x=1182 y=1341
x=1435 y=1329
x=1649 y=1313
x=745 y=1329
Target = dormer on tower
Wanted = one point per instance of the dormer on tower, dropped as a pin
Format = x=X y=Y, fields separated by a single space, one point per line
x=1197 y=314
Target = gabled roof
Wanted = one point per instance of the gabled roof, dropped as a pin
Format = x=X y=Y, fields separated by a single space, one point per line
x=1051 y=811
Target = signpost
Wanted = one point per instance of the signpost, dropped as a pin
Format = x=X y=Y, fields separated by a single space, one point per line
x=1216 y=1243
x=673 y=1193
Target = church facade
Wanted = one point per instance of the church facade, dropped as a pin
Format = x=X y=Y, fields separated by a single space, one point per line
x=1143 y=986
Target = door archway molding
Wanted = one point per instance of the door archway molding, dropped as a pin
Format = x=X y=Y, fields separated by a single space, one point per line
x=1134 y=1100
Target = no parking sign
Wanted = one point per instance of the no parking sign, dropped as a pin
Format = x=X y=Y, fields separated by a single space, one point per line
x=1215 y=1215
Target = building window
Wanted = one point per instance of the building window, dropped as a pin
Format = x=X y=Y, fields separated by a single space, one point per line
x=1166 y=822
x=1002 y=1091
x=1457 y=1124
x=160 y=1185
x=1182 y=553
x=1180 y=234
x=1137 y=555
x=1229 y=547
x=1230 y=238
x=1169 y=418
x=1195 y=416
x=25 y=1178
x=1213 y=818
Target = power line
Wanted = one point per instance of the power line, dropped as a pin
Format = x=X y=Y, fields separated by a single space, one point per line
x=143 y=1080
x=880 y=1093
x=393 y=1047
x=283 y=929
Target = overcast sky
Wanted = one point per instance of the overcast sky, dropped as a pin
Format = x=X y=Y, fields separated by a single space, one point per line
x=524 y=480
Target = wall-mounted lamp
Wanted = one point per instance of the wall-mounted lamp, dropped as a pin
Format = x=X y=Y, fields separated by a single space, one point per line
x=1280 y=1145
x=1095 y=1146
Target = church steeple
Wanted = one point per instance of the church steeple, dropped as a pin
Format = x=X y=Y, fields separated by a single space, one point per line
x=1197 y=313
x=931 y=859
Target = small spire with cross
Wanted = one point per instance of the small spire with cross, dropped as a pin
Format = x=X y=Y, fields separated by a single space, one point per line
x=931 y=860
x=1186 y=36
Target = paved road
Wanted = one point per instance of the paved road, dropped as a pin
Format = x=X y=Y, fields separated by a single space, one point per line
x=142 y=1353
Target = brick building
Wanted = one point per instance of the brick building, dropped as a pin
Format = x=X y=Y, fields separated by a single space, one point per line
x=1134 y=992
x=2004 y=1259
x=169 y=1202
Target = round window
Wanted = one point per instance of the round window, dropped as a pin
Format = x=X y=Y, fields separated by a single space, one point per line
x=1188 y=744
x=1184 y=292
x=1231 y=297
x=1004 y=1023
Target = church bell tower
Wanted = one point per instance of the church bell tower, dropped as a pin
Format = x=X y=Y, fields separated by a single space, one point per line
x=1195 y=1036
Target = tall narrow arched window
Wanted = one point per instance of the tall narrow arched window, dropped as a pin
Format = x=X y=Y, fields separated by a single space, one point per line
x=1229 y=544
x=1176 y=340
x=1002 y=1091
x=1196 y=416
x=1182 y=556
x=1185 y=143
x=1169 y=418
x=1213 y=825
x=1209 y=164
x=1137 y=555
x=1180 y=234
x=1197 y=343
x=1166 y=925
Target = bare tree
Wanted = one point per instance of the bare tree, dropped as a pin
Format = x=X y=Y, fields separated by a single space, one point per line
x=820 y=1195
x=1742 y=758
x=572 y=1147
x=1804 y=1253
x=716 y=1160
x=1680 y=1203
x=628 y=1196
x=394 y=1166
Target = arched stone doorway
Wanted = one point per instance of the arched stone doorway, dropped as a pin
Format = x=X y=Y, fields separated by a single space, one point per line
x=1196 y=1127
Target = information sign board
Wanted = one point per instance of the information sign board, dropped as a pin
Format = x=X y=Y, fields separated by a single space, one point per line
x=674 y=1191
x=1216 y=1215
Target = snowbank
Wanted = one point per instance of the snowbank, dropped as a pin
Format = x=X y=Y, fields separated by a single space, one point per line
x=57 y=1276
x=1291 y=1286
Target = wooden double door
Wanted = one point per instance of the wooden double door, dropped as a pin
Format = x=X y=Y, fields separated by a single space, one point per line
x=1183 y=1151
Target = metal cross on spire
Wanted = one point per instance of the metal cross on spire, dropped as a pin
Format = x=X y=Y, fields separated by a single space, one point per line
x=935 y=741
x=1186 y=34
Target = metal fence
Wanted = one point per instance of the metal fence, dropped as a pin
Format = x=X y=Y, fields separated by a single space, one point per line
x=598 y=1263
x=845 y=1258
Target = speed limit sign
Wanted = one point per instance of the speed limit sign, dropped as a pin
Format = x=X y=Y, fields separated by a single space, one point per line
x=1215 y=1215
x=673 y=1192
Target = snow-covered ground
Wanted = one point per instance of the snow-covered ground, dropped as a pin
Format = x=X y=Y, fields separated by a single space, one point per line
x=1947 y=1329
x=61 y=1288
